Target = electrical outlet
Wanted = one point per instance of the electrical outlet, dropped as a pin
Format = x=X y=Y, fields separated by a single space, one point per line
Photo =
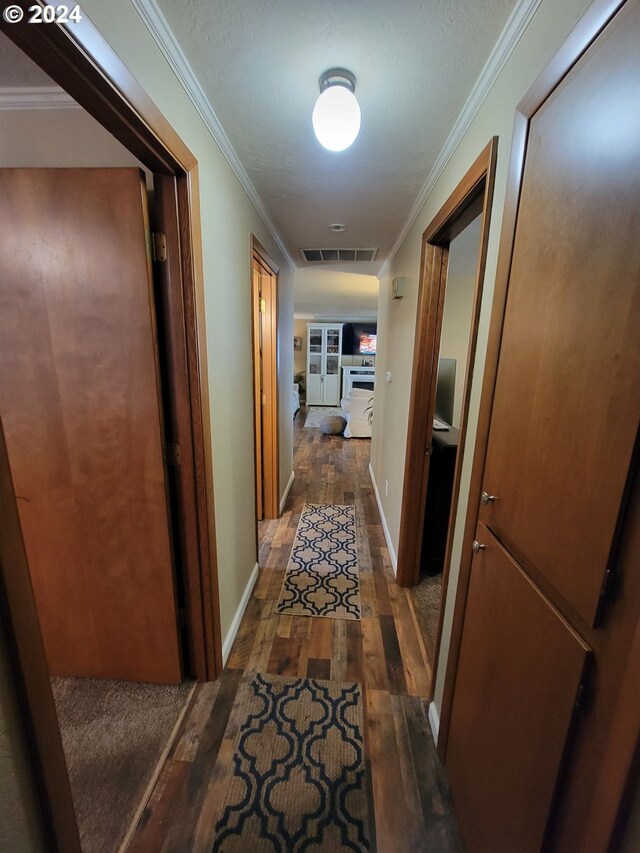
x=386 y=488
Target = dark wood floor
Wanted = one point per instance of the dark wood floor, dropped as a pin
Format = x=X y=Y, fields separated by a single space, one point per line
x=384 y=652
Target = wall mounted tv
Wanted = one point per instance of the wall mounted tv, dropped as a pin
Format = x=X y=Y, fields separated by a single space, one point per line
x=445 y=390
x=359 y=338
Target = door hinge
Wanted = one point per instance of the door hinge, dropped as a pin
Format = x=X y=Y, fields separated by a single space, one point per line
x=263 y=306
x=174 y=455
x=263 y=399
x=159 y=243
x=429 y=450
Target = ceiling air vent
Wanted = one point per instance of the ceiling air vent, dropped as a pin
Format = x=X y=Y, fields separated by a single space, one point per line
x=332 y=255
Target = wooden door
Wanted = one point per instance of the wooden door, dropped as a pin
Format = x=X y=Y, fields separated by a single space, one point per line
x=256 y=296
x=559 y=471
x=567 y=401
x=519 y=672
x=80 y=400
x=265 y=367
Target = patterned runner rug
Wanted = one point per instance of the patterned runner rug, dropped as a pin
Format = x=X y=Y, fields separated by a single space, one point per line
x=295 y=779
x=322 y=575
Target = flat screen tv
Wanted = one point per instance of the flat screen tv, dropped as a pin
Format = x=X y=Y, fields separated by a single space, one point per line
x=367 y=344
x=359 y=339
x=445 y=389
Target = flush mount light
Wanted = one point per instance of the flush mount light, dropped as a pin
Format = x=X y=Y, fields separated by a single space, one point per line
x=336 y=115
x=337 y=227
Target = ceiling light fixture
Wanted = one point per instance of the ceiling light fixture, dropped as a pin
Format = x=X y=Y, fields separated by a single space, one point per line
x=336 y=115
x=337 y=227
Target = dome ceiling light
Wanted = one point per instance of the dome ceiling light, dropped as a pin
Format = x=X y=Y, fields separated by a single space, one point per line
x=336 y=115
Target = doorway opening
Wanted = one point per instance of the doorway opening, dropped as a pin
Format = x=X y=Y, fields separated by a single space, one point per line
x=172 y=428
x=264 y=312
x=452 y=274
x=451 y=381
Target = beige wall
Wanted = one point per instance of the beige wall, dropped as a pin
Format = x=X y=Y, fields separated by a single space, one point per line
x=300 y=356
x=458 y=306
x=396 y=319
x=285 y=374
x=337 y=295
x=66 y=137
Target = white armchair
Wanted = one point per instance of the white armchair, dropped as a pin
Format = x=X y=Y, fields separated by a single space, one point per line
x=295 y=399
x=356 y=407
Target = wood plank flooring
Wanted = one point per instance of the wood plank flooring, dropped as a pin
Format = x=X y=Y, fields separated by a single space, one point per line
x=384 y=652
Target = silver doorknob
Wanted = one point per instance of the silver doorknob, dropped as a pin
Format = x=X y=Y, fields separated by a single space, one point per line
x=477 y=547
x=486 y=498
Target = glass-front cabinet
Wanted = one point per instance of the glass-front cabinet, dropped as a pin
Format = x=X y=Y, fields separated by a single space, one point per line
x=324 y=360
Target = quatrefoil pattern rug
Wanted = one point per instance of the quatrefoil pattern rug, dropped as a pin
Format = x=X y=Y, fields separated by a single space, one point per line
x=296 y=777
x=322 y=575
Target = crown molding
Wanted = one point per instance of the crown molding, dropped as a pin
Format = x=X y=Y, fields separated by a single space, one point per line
x=513 y=31
x=163 y=36
x=36 y=98
x=339 y=317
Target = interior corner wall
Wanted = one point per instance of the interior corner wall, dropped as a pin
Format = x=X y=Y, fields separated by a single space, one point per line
x=285 y=376
x=458 y=306
x=397 y=318
x=229 y=218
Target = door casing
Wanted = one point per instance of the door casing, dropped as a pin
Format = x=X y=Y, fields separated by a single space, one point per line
x=472 y=196
x=264 y=286
x=88 y=69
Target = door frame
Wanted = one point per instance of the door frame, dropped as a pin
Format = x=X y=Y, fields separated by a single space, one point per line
x=585 y=32
x=266 y=429
x=620 y=741
x=472 y=196
x=86 y=67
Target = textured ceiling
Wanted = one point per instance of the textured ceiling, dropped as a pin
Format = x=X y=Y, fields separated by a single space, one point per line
x=415 y=61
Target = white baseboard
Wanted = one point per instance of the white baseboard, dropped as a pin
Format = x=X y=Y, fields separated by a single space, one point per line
x=283 y=500
x=434 y=720
x=387 y=535
x=237 y=619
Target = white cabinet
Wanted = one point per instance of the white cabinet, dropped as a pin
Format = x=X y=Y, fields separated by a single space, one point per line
x=324 y=360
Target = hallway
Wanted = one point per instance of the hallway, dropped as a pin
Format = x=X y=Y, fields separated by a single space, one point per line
x=406 y=795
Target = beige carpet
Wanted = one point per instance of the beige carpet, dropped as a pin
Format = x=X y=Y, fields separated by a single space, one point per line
x=322 y=577
x=295 y=777
x=113 y=733
x=426 y=599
